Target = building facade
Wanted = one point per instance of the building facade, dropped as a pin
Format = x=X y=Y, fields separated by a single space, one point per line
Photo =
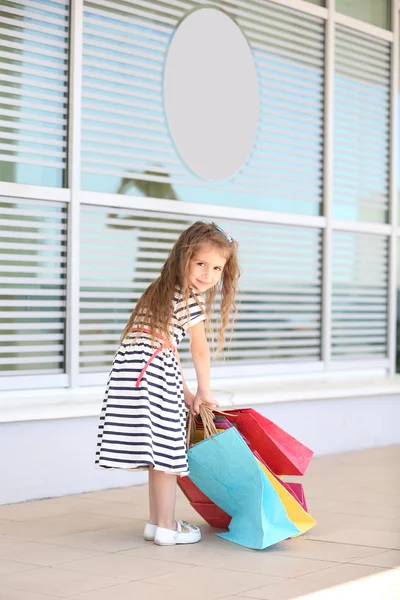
x=282 y=127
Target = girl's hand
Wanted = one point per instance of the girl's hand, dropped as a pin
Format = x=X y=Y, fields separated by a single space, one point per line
x=200 y=399
x=189 y=399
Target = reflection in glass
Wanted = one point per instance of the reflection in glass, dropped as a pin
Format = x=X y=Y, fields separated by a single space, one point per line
x=33 y=286
x=124 y=131
x=279 y=303
x=361 y=133
x=33 y=104
x=398 y=141
x=359 y=295
x=398 y=310
x=376 y=12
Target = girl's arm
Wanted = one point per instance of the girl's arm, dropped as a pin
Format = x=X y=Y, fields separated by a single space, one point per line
x=189 y=397
x=201 y=360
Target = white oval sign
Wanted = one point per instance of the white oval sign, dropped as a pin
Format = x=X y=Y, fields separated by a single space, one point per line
x=211 y=94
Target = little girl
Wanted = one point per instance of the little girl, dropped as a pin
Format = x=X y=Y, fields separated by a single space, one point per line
x=142 y=422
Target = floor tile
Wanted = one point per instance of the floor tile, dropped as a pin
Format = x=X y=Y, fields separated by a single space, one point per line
x=267 y=563
x=131 y=495
x=353 y=508
x=213 y=580
x=355 y=498
x=39 y=529
x=384 y=492
x=139 y=590
x=191 y=554
x=26 y=511
x=303 y=548
x=11 y=566
x=331 y=521
x=384 y=585
x=286 y=590
x=24 y=595
x=341 y=573
x=5 y=526
x=113 y=539
x=44 y=555
x=99 y=506
x=389 y=560
x=364 y=537
x=56 y=582
x=264 y=562
x=123 y=566
x=8 y=541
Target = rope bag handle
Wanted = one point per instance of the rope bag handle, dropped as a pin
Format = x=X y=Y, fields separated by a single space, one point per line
x=207 y=417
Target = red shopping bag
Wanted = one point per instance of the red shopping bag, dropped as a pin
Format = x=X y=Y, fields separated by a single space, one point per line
x=295 y=489
x=211 y=513
x=191 y=491
x=282 y=453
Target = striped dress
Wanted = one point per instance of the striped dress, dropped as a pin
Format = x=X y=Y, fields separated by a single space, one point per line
x=145 y=425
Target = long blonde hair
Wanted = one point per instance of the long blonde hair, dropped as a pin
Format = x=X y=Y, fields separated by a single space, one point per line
x=154 y=310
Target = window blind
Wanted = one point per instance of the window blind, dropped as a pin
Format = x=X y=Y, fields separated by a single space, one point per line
x=280 y=293
x=33 y=286
x=359 y=295
x=126 y=145
x=33 y=87
x=361 y=137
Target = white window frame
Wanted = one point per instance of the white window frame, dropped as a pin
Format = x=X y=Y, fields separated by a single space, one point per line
x=74 y=197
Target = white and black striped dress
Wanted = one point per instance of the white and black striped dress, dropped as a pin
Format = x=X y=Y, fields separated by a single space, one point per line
x=145 y=425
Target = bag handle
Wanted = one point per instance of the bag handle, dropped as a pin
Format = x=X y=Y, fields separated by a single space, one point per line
x=207 y=417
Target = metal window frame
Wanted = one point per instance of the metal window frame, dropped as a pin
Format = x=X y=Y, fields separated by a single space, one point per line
x=74 y=179
x=74 y=196
x=326 y=322
x=393 y=183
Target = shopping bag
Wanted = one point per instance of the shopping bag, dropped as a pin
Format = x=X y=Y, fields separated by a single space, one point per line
x=294 y=510
x=220 y=424
x=211 y=513
x=280 y=451
x=215 y=516
x=295 y=489
x=191 y=491
x=225 y=470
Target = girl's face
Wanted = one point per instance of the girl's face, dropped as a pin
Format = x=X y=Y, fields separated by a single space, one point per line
x=206 y=267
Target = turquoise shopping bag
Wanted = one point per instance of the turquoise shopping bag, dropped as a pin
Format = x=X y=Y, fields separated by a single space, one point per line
x=225 y=470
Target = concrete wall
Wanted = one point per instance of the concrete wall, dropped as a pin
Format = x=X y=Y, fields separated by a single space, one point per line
x=41 y=459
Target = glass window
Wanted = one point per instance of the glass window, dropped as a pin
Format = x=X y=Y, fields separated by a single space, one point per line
x=126 y=143
x=359 y=296
x=33 y=238
x=376 y=12
x=33 y=103
x=361 y=132
x=279 y=316
x=398 y=141
x=398 y=310
x=318 y=2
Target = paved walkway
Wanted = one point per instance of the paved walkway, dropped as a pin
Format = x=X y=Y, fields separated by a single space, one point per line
x=89 y=546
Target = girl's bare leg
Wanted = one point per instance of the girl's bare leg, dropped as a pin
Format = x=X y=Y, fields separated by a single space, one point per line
x=152 y=502
x=162 y=491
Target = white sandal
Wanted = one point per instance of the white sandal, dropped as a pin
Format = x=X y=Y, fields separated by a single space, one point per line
x=149 y=532
x=170 y=537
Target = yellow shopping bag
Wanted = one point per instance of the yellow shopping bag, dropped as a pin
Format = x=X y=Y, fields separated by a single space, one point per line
x=294 y=510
